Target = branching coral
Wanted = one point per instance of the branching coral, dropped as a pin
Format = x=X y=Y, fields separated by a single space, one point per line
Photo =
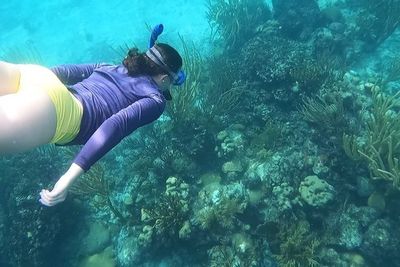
x=269 y=137
x=351 y=147
x=234 y=255
x=236 y=20
x=223 y=216
x=94 y=183
x=382 y=147
x=186 y=131
x=221 y=256
x=271 y=66
x=311 y=74
x=328 y=115
x=223 y=93
x=222 y=71
x=169 y=216
x=225 y=102
x=297 y=18
x=392 y=70
x=185 y=104
x=378 y=20
x=298 y=246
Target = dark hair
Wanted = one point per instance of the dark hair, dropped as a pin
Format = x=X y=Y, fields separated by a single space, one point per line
x=139 y=64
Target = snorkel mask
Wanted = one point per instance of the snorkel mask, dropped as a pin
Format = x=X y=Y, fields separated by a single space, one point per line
x=177 y=78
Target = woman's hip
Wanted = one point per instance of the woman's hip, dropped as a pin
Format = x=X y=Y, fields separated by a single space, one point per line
x=68 y=109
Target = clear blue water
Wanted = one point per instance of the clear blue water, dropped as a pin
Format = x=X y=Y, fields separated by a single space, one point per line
x=75 y=31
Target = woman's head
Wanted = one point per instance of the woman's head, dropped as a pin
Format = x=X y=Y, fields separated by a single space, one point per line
x=161 y=61
x=141 y=64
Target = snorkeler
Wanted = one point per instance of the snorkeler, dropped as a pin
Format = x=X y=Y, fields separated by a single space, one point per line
x=96 y=105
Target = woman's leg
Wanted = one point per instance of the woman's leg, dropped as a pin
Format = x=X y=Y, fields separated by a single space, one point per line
x=9 y=78
x=27 y=120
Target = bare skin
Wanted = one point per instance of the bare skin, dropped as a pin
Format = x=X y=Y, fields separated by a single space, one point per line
x=9 y=78
x=27 y=115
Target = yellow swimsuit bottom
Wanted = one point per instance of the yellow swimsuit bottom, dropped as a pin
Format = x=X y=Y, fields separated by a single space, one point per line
x=68 y=109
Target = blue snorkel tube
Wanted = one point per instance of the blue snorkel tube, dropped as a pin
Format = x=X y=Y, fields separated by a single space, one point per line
x=157 y=30
x=180 y=77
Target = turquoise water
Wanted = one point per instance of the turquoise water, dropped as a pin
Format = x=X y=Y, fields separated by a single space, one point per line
x=281 y=148
x=84 y=31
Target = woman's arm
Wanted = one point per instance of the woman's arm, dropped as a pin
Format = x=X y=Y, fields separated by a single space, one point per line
x=73 y=73
x=60 y=190
x=109 y=134
x=115 y=128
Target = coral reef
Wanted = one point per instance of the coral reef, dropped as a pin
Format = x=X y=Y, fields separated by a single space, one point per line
x=298 y=18
x=169 y=215
x=299 y=247
x=218 y=206
x=30 y=232
x=236 y=20
x=281 y=149
x=380 y=149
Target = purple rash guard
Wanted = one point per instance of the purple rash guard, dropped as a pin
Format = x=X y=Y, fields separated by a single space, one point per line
x=114 y=105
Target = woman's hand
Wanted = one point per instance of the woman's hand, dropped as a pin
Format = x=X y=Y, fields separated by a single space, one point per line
x=55 y=196
x=60 y=190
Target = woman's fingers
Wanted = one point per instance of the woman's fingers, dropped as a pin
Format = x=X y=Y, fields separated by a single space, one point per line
x=53 y=197
x=45 y=199
x=50 y=199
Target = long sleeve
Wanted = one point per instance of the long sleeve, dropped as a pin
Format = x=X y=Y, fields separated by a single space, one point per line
x=73 y=73
x=115 y=128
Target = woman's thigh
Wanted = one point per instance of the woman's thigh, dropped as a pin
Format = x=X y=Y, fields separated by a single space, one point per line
x=9 y=78
x=27 y=120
